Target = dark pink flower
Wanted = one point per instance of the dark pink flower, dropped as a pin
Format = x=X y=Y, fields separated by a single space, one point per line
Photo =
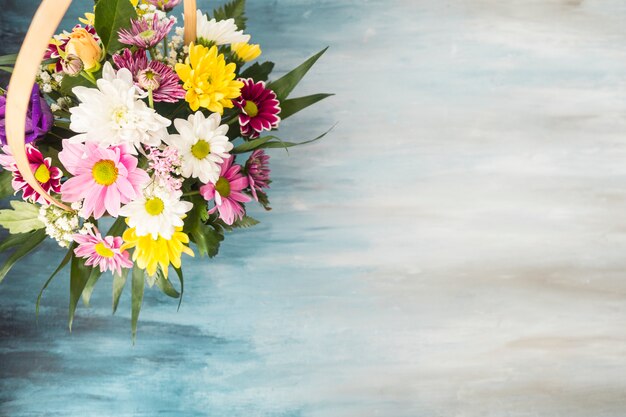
x=49 y=177
x=258 y=170
x=145 y=33
x=259 y=108
x=165 y=5
x=228 y=192
x=150 y=74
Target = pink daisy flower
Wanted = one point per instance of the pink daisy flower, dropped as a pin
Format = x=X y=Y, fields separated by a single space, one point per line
x=153 y=75
x=102 y=252
x=49 y=177
x=145 y=33
x=258 y=170
x=259 y=108
x=227 y=192
x=105 y=178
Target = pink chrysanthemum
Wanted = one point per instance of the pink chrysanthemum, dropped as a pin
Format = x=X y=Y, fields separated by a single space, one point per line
x=59 y=42
x=154 y=75
x=259 y=108
x=49 y=177
x=258 y=170
x=102 y=252
x=145 y=33
x=165 y=5
x=227 y=192
x=105 y=178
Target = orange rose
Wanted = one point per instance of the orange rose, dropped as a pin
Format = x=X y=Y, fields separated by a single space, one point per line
x=83 y=45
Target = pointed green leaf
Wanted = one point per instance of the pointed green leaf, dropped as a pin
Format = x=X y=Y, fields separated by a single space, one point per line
x=111 y=16
x=64 y=262
x=6 y=69
x=137 y=286
x=258 y=72
x=91 y=283
x=68 y=83
x=26 y=247
x=8 y=59
x=119 y=281
x=23 y=218
x=79 y=275
x=118 y=227
x=6 y=189
x=166 y=286
x=252 y=145
x=244 y=222
x=206 y=238
x=233 y=10
x=292 y=106
x=285 y=84
x=179 y=272
x=15 y=240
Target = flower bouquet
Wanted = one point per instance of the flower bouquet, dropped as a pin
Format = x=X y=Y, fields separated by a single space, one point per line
x=156 y=131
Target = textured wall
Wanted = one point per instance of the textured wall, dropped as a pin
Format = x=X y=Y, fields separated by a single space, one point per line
x=456 y=247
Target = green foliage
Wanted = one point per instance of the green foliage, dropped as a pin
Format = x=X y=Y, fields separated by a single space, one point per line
x=137 y=285
x=179 y=272
x=206 y=237
x=285 y=84
x=64 y=262
x=79 y=275
x=165 y=285
x=68 y=83
x=258 y=72
x=292 y=106
x=6 y=189
x=119 y=281
x=233 y=10
x=8 y=59
x=112 y=15
x=27 y=242
x=268 y=142
x=243 y=223
x=23 y=218
x=6 y=69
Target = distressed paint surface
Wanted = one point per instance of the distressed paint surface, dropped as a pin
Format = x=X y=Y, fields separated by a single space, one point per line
x=456 y=247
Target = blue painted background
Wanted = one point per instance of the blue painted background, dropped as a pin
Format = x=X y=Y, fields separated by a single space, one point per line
x=455 y=247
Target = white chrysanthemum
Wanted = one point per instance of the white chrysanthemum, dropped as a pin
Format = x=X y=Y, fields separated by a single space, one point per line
x=112 y=114
x=157 y=212
x=221 y=32
x=202 y=144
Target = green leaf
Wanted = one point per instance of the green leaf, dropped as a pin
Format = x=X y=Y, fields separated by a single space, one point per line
x=35 y=238
x=285 y=145
x=243 y=223
x=285 y=84
x=15 y=240
x=119 y=281
x=292 y=106
x=6 y=189
x=252 y=145
x=137 y=285
x=24 y=217
x=233 y=10
x=91 y=283
x=206 y=238
x=79 y=275
x=165 y=285
x=258 y=72
x=6 y=69
x=68 y=83
x=64 y=262
x=179 y=272
x=118 y=227
x=8 y=59
x=111 y=16
x=272 y=142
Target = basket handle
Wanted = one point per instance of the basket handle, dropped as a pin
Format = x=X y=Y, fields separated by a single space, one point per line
x=45 y=22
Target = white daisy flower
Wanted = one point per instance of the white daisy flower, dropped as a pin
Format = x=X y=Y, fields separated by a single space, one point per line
x=113 y=114
x=202 y=145
x=157 y=212
x=221 y=32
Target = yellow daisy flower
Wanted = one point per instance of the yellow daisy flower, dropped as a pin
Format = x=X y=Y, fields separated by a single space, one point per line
x=245 y=52
x=150 y=253
x=209 y=81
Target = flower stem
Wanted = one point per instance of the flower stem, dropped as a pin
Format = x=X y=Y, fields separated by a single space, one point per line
x=190 y=193
x=165 y=54
x=88 y=77
x=150 y=99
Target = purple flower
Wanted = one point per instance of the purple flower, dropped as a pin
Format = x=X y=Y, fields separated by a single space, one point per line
x=154 y=75
x=258 y=170
x=259 y=108
x=165 y=5
x=145 y=33
x=38 y=118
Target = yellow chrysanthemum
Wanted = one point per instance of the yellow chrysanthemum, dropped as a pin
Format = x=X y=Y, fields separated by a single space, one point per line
x=150 y=253
x=209 y=81
x=246 y=52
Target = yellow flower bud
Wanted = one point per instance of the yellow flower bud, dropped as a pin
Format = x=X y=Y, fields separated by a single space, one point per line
x=245 y=51
x=83 y=45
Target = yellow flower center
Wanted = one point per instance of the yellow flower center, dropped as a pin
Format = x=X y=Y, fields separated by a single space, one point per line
x=42 y=174
x=201 y=149
x=154 y=206
x=146 y=34
x=104 y=172
x=103 y=251
x=119 y=114
x=222 y=186
x=251 y=108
